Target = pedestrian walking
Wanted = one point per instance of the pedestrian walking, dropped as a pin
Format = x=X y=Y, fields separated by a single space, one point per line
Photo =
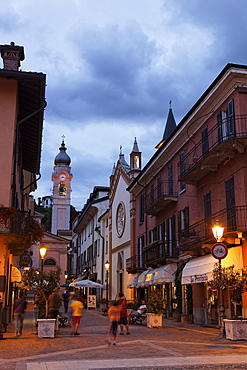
x=77 y=309
x=20 y=306
x=54 y=303
x=114 y=317
x=65 y=301
x=70 y=311
x=123 y=314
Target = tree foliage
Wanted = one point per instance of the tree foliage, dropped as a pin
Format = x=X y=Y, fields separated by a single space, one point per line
x=229 y=277
x=44 y=284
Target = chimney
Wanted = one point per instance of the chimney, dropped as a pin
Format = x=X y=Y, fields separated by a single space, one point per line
x=12 y=55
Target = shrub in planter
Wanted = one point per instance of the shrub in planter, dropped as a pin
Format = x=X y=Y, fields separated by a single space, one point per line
x=155 y=304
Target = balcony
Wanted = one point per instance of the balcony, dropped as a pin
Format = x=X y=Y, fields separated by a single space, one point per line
x=222 y=142
x=14 y=229
x=159 y=252
x=134 y=264
x=160 y=196
x=199 y=236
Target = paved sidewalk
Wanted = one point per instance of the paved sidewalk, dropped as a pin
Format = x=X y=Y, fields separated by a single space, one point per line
x=171 y=347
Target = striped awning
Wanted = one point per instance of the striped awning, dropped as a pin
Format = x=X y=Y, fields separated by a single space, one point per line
x=165 y=274
x=133 y=281
x=149 y=277
x=142 y=278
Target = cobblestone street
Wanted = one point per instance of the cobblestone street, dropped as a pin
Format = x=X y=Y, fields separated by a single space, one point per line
x=173 y=346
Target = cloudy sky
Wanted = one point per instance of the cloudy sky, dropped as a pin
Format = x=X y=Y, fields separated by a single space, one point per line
x=112 y=67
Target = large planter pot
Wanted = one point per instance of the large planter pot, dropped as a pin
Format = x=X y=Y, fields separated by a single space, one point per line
x=46 y=328
x=236 y=329
x=176 y=316
x=186 y=318
x=154 y=320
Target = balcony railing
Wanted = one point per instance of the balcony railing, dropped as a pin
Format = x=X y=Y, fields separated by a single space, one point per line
x=221 y=142
x=159 y=252
x=135 y=264
x=17 y=224
x=158 y=197
x=233 y=220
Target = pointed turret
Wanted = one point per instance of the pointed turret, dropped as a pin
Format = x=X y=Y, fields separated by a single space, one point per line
x=169 y=128
x=135 y=159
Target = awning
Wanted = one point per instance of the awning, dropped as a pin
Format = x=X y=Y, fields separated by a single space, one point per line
x=149 y=277
x=142 y=278
x=133 y=281
x=200 y=269
x=15 y=275
x=165 y=274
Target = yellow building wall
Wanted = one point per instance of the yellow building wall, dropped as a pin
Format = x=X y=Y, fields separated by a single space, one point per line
x=8 y=109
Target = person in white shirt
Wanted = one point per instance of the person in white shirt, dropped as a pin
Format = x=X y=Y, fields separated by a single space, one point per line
x=141 y=309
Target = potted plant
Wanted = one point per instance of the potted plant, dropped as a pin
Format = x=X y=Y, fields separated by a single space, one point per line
x=236 y=282
x=44 y=284
x=155 y=310
x=176 y=315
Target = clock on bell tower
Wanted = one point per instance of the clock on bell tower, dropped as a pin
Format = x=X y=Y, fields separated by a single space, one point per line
x=61 y=178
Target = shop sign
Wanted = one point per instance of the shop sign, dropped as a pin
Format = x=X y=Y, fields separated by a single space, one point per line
x=198 y=279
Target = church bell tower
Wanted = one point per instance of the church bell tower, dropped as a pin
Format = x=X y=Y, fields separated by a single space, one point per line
x=61 y=178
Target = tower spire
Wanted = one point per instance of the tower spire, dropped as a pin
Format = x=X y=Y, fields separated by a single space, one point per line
x=169 y=127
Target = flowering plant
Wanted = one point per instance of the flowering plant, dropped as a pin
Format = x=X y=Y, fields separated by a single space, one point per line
x=36 y=232
x=7 y=214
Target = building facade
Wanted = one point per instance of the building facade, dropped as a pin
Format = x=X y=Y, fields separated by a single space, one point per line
x=89 y=248
x=22 y=100
x=122 y=221
x=196 y=176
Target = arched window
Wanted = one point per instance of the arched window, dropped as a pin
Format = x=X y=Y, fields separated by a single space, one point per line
x=50 y=262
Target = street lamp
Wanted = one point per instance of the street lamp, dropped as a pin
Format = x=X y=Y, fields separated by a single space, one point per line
x=42 y=252
x=219 y=251
x=107 y=265
x=218 y=231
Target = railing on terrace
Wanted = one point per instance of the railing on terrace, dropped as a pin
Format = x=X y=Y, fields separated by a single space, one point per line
x=164 y=188
x=229 y=129
x=160 y=250
x=17 y=224
x=134 y=263
x=233 y=219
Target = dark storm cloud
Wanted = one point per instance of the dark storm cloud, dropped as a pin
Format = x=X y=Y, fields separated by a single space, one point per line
x=117 y=79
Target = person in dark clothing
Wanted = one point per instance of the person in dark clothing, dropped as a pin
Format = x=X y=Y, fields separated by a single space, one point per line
x=54 y=303
x=66 y=301
x=19 y=309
